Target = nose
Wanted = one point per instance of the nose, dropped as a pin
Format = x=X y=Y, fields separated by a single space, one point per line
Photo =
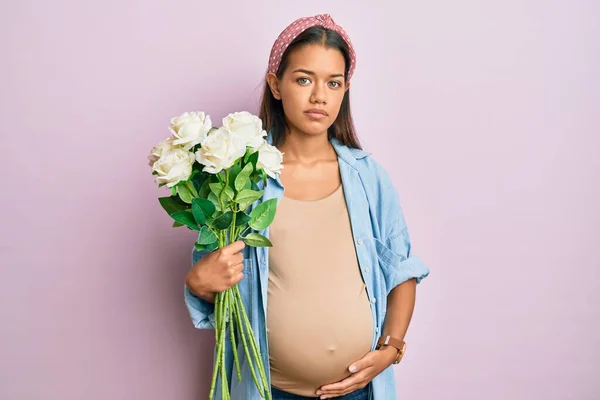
x=318 y=95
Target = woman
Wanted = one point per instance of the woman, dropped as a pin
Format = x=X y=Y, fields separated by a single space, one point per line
x=331 y=301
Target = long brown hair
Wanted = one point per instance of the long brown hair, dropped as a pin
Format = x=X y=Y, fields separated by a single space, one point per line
x=271 y=109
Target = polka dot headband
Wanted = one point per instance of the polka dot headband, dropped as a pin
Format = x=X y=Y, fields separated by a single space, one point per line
x=290 y=33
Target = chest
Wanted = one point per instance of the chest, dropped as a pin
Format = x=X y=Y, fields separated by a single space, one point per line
x=363 y=227
x=310 y=181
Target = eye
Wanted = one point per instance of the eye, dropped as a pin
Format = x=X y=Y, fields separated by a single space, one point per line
x=303 y=81
x=335 y=84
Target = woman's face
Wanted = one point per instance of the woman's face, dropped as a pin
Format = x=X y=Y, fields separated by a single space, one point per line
x=311 y=89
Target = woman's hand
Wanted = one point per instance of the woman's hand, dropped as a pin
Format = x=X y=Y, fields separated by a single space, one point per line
x=363 y=371
x=217 y=271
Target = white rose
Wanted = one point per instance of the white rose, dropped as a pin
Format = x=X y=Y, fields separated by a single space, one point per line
x=190 y=129
x=159 y=149
x=246 y=126
x=270 y=159
x=174 y=166
x=220 y=150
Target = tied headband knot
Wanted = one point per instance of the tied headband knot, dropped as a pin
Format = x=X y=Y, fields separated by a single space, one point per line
x=326 y=20
x=289 y=34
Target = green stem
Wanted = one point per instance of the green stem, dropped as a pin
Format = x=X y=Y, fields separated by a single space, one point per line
x=244 y=342
x=253 y=344
x=218 y=344
x=244 y=231
x=224 y=385
x=219 y=331
x=223 y=190
x=232 y=333
x=191 y=188
x=232 y=237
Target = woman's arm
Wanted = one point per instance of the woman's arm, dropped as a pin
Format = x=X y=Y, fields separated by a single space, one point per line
x=400 y=307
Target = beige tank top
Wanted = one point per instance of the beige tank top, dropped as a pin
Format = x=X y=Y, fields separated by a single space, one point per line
x=319 y=318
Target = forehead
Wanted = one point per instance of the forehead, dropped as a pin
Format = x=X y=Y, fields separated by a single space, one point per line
x=317 y=58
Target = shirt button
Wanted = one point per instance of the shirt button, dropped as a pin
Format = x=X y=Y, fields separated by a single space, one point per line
x=367 y=269
x=377 y=329
x=262 y=259
x=373 y=300
x=360 y=241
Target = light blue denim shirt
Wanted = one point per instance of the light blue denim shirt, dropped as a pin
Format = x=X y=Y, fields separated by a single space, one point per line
x=384 y=254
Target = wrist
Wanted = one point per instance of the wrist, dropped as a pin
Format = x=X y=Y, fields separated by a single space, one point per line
x=207 y=296
x=194 y=284
x=389 y=353
x=398 y=346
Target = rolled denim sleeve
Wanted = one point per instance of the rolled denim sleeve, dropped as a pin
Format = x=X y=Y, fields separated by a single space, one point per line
x=395 y=247
x=201 y=311
x=404 y=264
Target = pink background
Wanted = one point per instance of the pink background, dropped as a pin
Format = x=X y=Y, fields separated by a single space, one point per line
x=485 y=114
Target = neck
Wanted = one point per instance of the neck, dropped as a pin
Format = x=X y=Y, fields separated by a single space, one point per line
x=306 y=148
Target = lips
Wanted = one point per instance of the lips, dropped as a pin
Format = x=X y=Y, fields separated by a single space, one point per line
x=316 y=113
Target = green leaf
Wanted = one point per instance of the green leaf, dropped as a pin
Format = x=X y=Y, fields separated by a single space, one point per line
x=186 y=218
x=172 y=204
x=223 y=221
x=206 y=236
x=204 y=207
x=216 y=188
x=204 y=247
x=264 y=175
x=200 y=247
x=190 y=186
x=198 y=179
x=241 y=218
x=246 y=197
x=249 y=152
x=198 y=212
x=262 y=216
x=253 y=159
x=234 y=171
x=215 y=200
x=204 y=190
x=257 y=240
x=243 y=177
x=177 y=224
x=184 y=194
x=173 y=190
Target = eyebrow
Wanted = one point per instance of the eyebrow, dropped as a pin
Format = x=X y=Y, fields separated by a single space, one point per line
x=307 y=72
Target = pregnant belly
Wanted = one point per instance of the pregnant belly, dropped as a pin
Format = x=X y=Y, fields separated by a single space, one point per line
x=314 y=347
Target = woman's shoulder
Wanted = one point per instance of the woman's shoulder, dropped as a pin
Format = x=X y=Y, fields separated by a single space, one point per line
x=366 y=163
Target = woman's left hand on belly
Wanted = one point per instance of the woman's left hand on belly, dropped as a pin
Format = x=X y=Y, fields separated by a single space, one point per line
x=363 y=371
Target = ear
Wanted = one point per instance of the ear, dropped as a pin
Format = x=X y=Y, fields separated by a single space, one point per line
x=273 y=83
x=347 y=86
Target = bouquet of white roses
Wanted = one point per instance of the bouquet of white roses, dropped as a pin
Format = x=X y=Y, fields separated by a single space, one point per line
x=213 y=175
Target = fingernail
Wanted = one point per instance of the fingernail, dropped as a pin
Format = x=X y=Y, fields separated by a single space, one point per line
x=352 y=368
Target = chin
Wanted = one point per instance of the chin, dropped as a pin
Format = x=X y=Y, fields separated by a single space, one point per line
x=315 y=128
x=316 y=132
x=309 y=127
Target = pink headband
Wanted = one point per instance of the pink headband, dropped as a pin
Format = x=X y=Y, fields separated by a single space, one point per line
x=296 y=28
